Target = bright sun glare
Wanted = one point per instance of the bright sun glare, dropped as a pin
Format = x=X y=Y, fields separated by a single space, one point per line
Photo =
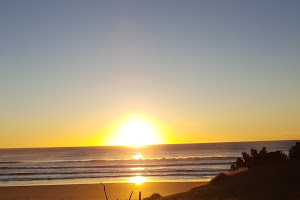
x=137 y=132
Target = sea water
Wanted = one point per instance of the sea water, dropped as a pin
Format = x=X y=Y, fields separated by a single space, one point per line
x=171 y=162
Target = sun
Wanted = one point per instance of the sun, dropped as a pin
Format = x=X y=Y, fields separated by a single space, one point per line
x=137 y=132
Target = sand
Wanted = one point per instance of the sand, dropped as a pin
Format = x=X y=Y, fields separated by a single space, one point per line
x=94 y=191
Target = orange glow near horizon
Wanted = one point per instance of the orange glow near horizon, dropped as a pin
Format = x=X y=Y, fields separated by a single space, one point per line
x=137 y=129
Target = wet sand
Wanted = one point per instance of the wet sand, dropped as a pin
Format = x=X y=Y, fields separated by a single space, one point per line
x=94 y=191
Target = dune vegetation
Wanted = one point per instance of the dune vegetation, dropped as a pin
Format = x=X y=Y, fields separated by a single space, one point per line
x=259 y=176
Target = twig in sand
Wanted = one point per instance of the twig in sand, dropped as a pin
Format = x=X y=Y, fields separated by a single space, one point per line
x=130 y=195
x=104 y=191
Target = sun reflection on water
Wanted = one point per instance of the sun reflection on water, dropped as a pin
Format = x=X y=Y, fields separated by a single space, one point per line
x=138 y=156
x=137 y=168
x=138 y=180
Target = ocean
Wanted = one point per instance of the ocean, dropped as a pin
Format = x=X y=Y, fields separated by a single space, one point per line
x=171 y=162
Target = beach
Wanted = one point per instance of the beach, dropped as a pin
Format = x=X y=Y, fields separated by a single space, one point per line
x=94 y=191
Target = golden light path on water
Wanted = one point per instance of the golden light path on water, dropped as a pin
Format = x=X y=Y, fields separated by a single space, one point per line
x=138 y=156
x=137 y=168
x=138 y=179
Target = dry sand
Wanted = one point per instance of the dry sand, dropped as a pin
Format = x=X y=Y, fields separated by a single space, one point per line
x=114 y=191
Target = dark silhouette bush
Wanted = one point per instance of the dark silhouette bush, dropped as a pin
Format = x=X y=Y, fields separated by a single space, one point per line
x=294 y=152
x=258 y=158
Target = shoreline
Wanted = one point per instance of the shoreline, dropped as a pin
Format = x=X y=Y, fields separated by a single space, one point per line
x=94 y=191
x=105 y=182
x=108 y=182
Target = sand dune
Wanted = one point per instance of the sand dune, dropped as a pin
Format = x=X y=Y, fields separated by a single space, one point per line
x=268 y=182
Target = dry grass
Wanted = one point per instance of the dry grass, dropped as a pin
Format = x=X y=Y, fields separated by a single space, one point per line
x=241 y=170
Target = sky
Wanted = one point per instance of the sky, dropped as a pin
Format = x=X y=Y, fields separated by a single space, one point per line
x=199 y=71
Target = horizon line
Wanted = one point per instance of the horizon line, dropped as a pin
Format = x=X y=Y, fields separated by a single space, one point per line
x=128 y=146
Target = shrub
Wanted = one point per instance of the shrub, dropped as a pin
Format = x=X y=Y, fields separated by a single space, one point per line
x=258 y=158
x=294 y=152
